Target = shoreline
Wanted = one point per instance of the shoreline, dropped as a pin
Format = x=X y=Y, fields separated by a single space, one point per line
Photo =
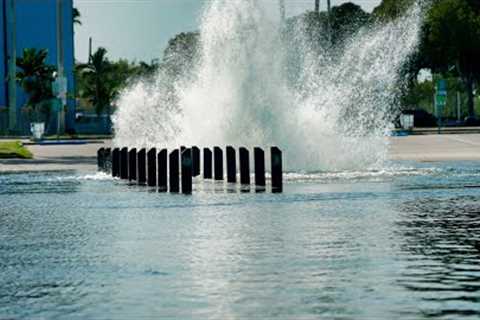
x=82 y=157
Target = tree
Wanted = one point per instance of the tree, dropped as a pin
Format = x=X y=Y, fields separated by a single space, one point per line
x=99 y=86
x=76 y=16
x=389 y=10
x=452 y=42
x=35 y=77
x=146 y=69
x=346 y=20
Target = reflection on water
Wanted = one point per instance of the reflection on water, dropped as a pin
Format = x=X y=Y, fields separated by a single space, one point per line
x=402 y=244
x=441 y=238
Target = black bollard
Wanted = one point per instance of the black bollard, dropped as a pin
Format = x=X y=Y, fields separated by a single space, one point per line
x=124 y=163
x=142 y=167
x=152 y=167
x=162 y=170
x=244 y=166
x=116 y=162
x=259 y=157
x=108 y=160
x=231 y=165
x=207 y=163
x=218 y=163
x=132 y=164
x=187 y=171
x=195 y=161
x=276 y=161
x=174 y=171
x=101 y=159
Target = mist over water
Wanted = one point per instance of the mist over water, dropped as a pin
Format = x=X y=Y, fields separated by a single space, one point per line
x=252 y=85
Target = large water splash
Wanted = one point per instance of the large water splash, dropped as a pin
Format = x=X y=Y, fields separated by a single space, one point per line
x=332 y=114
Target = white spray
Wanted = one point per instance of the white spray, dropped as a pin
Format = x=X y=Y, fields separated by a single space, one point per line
x=334 y=115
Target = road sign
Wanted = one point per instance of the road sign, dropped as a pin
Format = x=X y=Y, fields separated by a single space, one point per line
x=442 y=87
x=441 y=100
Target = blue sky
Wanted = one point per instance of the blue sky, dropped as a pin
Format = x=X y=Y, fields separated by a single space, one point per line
x=140 y=29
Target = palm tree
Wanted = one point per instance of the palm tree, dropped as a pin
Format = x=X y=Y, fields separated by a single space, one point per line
x=100 y=88
x=76 y=17
x=35 y=77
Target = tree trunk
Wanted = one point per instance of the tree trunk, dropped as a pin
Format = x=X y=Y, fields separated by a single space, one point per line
x=471 y=98
x=317 y=6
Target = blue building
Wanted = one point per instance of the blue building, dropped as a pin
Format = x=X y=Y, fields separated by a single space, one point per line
x=41 y=24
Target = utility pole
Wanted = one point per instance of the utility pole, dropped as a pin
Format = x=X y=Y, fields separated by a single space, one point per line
x=12 y=65
x=282 y=10
x=89 y=49
x=61 y=79
x=317 y=6
x=329 y=21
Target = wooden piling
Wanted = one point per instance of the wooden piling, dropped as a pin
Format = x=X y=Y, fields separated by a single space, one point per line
x=152 y=167
x=116 y=162
x=259 y=160
x=276 y=169
x=101 y=159
x=231 y=165
x=174 y=160
x=207 y=163
x=132 y=164
x=142 y=167
x=195 y=161
x=187 y=171
x=108 y=160
x=124 y=163
x=162 y=170
x=244 y=166
x=218 y=163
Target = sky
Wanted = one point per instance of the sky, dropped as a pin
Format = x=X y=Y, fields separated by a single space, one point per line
x=140 y=29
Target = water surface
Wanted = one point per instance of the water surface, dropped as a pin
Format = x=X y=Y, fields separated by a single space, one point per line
x=401 y=243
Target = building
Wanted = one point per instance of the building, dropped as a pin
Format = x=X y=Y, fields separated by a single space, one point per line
x=41 y=24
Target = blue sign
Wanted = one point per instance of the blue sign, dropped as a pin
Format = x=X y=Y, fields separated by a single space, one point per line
x=442 y=87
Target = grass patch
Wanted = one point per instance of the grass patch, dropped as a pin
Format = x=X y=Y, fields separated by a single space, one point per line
x=14 y=149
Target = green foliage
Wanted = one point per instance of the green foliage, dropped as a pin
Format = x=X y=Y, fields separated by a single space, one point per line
x=99 y=87
x=449 y=44
x=389 y=10
x=14 y=149
x=101 y=80
x=346 y=20
x=76 y=16
x=35 y=77
x=453 y=37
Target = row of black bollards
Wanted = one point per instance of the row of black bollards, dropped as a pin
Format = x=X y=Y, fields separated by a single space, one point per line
x=175 y=171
